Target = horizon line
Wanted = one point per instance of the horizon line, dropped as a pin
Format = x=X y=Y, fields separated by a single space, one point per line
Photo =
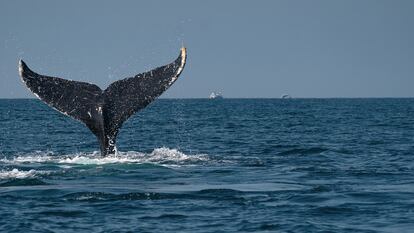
x=166 y=98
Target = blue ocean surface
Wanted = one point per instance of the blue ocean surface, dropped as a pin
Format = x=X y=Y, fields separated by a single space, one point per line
x=197 y=165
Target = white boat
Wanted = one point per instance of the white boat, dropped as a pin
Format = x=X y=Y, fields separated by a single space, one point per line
x=215 y=95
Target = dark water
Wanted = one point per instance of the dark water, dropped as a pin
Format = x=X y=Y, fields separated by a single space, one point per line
x=237 y=165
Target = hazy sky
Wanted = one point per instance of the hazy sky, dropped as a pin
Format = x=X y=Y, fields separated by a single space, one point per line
x=251 y=48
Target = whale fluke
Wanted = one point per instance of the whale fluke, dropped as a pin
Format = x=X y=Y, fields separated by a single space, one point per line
x=103 y=111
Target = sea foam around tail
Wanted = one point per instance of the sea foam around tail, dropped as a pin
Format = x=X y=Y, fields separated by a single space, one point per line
x=158 y=156
x=161 y=155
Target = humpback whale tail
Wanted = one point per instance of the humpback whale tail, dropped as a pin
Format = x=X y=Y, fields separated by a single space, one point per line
x=103 y=111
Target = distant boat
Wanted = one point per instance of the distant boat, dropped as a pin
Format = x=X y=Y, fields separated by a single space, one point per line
x=215 y=95
x=286 y=96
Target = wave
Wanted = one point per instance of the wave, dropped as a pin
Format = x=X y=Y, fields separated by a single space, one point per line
x=18 y=174
x=163 y=156
x=223 y=192
x=304 y=151
x=165 y=216
x=23 y=182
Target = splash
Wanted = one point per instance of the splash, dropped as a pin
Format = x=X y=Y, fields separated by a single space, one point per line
x=18 y=174
x=158 y=156
x=33 y=157
x=163 y=156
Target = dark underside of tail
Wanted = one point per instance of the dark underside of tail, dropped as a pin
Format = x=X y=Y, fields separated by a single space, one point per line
x=103 y=111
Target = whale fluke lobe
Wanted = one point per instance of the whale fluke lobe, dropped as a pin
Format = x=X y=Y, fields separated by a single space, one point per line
x=103 y=111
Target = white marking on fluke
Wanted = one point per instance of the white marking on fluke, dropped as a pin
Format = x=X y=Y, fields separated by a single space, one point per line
x=180 y=69
x=20 y=68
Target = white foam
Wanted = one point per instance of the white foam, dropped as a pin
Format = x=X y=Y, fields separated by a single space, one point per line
x=34 y=157
x=16 y=173
x=161 y=156
x=173 y=155
x=86 y=159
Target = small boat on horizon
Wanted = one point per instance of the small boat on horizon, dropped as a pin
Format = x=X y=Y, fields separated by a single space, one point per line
x=215 y=95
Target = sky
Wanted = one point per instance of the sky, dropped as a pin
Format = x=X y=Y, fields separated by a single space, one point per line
x=244 y=49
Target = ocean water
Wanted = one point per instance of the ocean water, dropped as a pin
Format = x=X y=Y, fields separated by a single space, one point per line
x=194 y=165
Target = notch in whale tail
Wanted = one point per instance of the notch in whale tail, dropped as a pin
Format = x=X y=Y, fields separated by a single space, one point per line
x=103 y=111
